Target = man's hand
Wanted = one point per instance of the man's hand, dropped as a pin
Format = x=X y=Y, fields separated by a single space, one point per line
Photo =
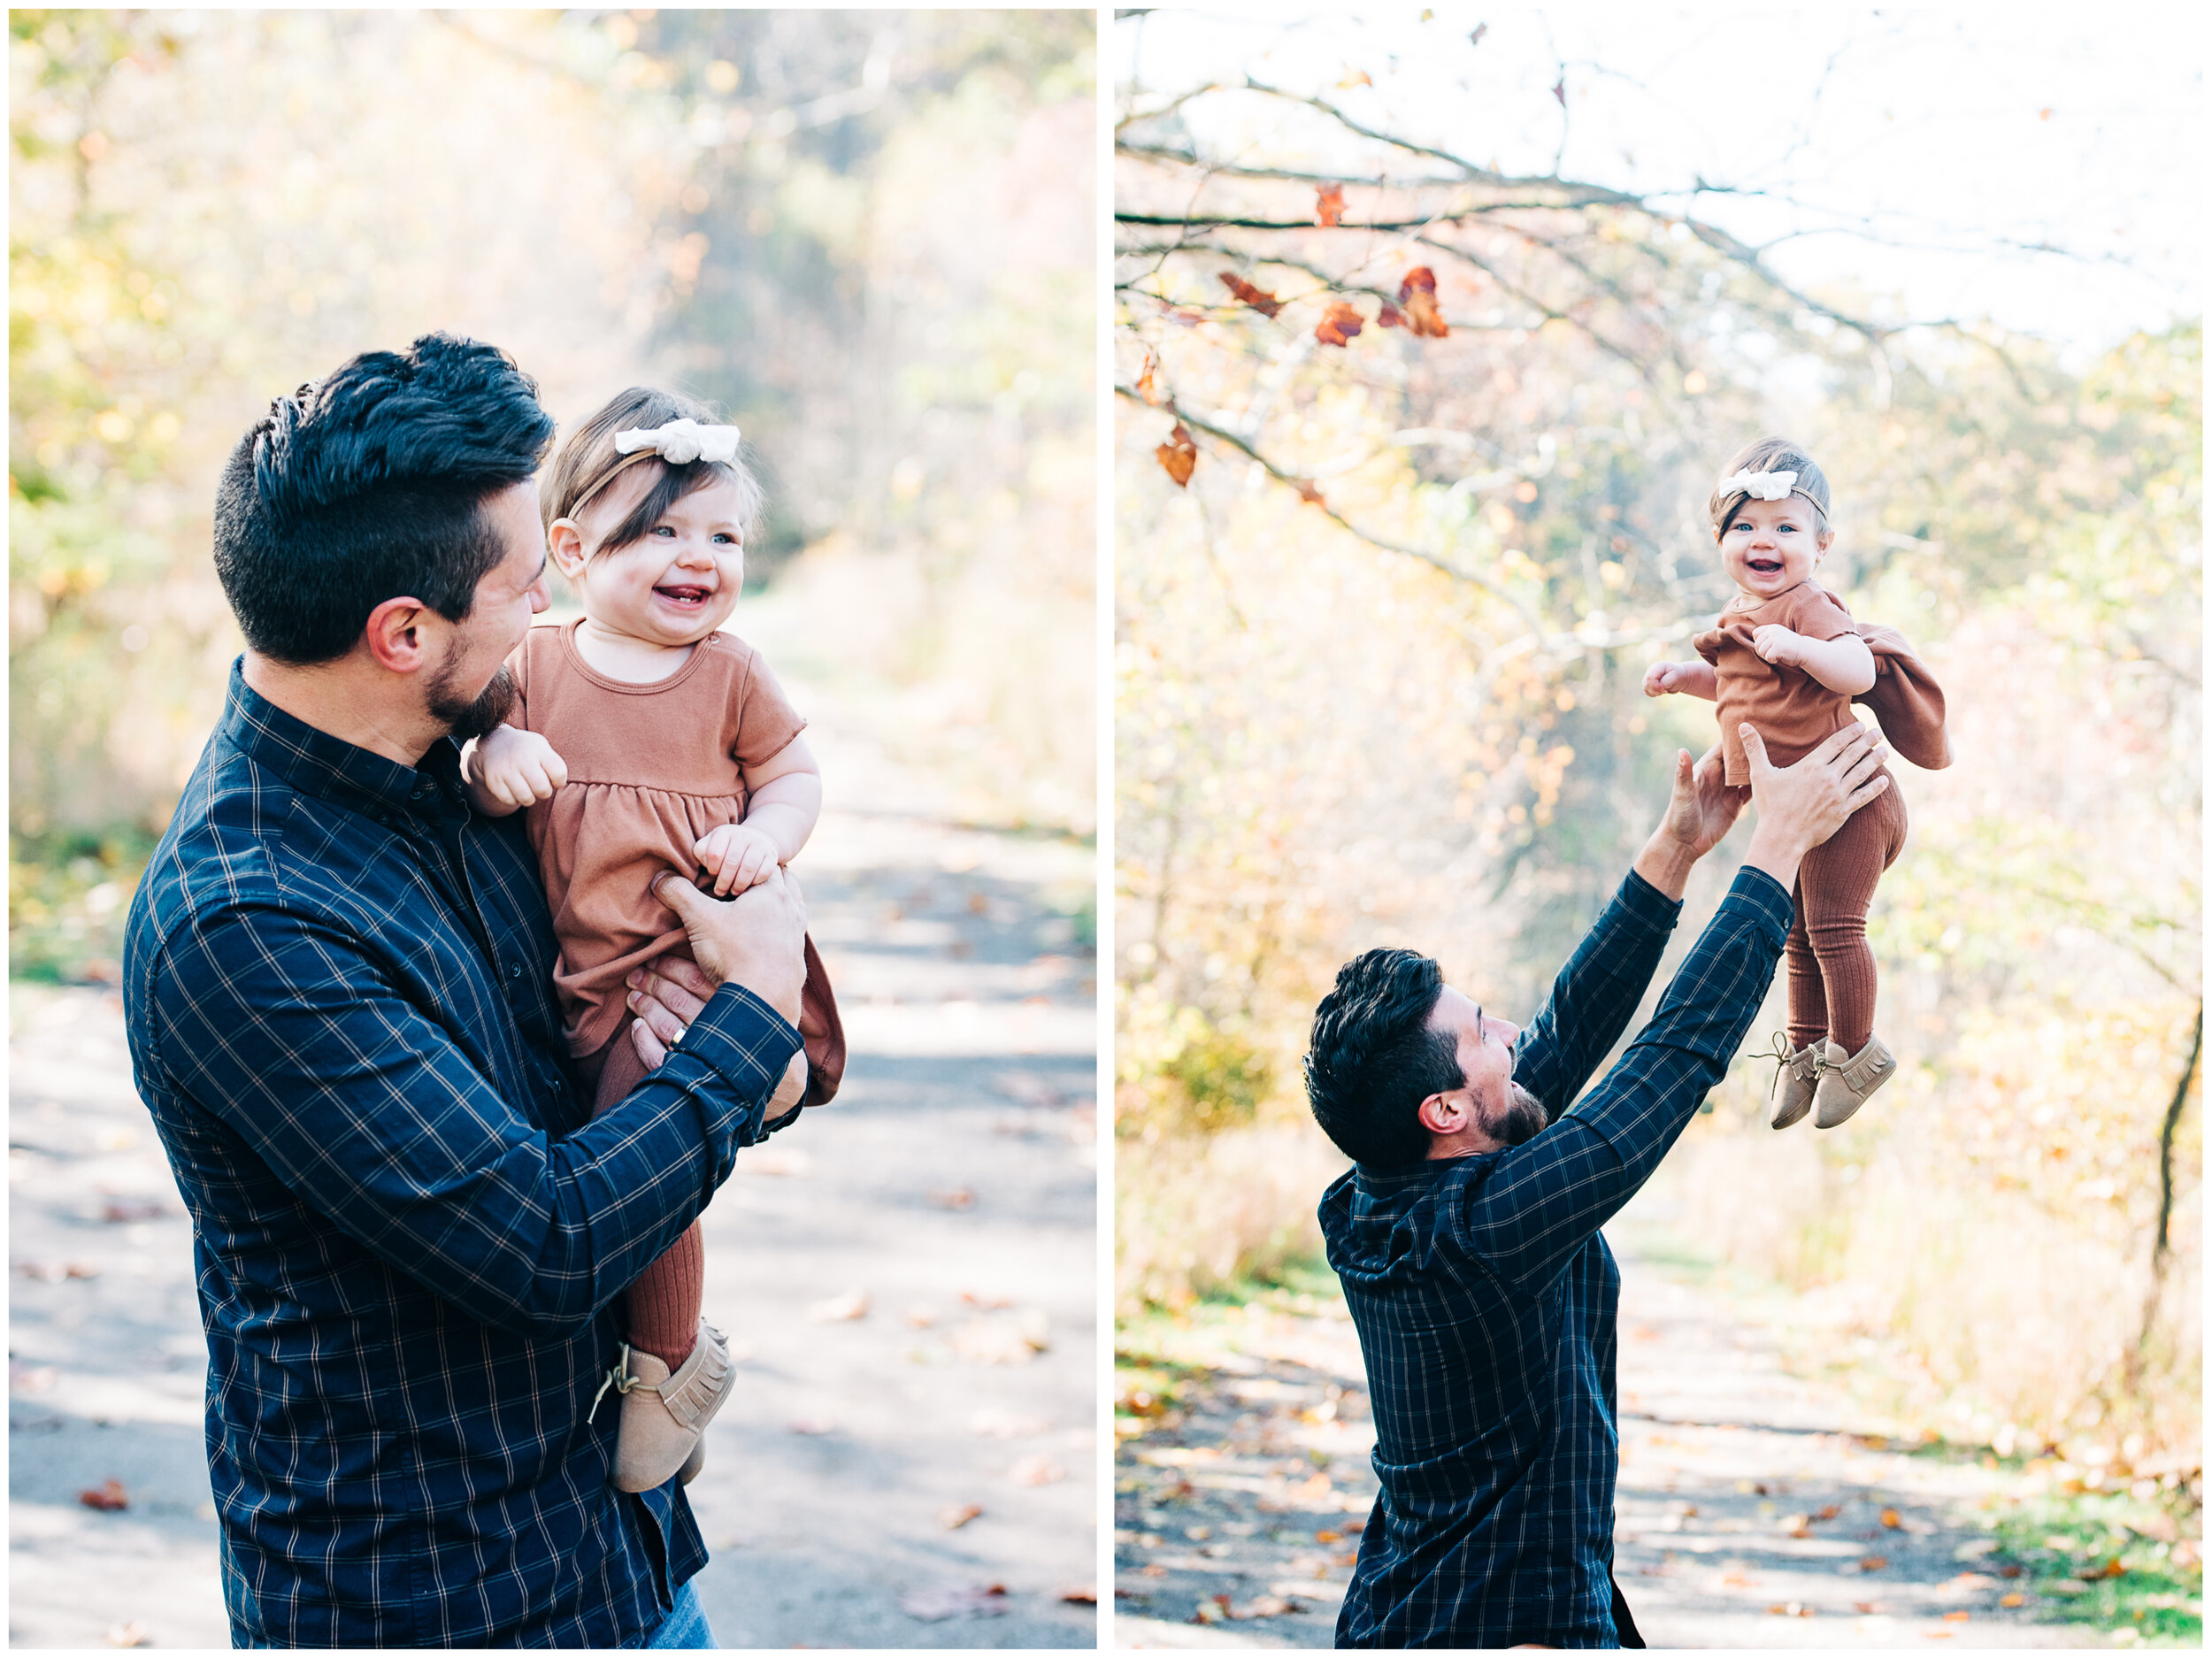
x=738 y=856
x=507 y=770
x=1801 y=805
x=1699 y=812
x=757 y=938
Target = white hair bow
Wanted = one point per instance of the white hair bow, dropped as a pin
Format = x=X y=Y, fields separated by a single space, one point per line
x=680 y=442
x=1758 y=486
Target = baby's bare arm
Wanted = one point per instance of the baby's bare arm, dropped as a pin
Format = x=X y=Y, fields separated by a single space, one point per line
x=1685 y=679
x=784 y=798
x=1844 y=664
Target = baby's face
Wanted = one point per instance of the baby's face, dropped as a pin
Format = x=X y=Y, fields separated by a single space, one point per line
x=1768 y=547
x=676 y=584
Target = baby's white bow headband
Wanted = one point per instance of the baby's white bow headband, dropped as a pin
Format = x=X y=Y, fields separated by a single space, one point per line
x=679 y=443
x=1760 y=486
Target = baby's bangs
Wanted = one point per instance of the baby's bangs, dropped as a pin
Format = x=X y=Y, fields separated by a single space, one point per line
x=673 y=485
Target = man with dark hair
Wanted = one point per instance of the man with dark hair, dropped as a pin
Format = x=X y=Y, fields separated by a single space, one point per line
x=1466 y=1238
x=410 y=1234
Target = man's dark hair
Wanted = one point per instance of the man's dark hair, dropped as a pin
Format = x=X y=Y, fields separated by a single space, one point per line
x=369 y=485
x=1373 y=1058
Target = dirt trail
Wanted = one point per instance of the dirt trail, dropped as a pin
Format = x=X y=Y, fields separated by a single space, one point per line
x=1750 y=1511
x=945 y=1203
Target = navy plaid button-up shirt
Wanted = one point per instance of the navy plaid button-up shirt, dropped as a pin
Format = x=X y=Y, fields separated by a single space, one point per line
x=1485 y=1300
x=407 y=1233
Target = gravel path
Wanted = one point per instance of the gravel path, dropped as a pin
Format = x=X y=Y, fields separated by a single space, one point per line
x=1754 y=1510
x=908 y=1278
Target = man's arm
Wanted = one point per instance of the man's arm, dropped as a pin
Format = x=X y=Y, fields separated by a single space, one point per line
x=1594 y=994
x=1542 y=1201
x=289 y=1032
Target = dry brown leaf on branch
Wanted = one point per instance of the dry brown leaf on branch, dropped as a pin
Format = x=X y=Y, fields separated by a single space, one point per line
x=1390 y=316
x=1308 y=494
x=108 y=1496
x=837 y=1308
x=1178 y=455
x=1148 y=387
x=1259 y=299
x=1417 y=295
x=1339 y=323
x=1328 y=207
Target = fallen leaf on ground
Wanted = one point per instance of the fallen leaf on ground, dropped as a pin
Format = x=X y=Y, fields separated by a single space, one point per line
x=130 y=1634
x=920 y=1317
x=108 y=1496
x=989 y=1303
x=1829 y=1513
x=1328 y=1537
x=2011 y=1571
x=1873 y=1562
x=2110 y=1569
x=1079 y=1595
x=1960 y=1616
x=1315 y=1488
x=1890 y=1519
x=1265 y=1606
x=1792 y=1609
x=1036 y=1470
x=2015 y=1599
x=851 y=1304
x=995 y=1341
x=777 y=1161
x=812 y=1425
x=1870 y=1608
x=1153 y=1571
x=953 y=1515
x=958 y=1197
x=1388 y=317
x=133 y=1209
x=1258 y=299
x=1339 y=323
x=55 y=1271
x=1178 y=456
x=1328 y=206
x=996 y=1422
x=939 y=1601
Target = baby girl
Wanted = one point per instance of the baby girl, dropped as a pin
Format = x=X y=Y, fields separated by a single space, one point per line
x=1786 y=657
x=643 y=738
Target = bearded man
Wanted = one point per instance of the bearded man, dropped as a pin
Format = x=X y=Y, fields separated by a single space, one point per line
x=409 y=1233
x=1466 y=1237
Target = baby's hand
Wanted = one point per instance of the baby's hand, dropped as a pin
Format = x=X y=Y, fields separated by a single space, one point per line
x=1777 y=644
x=517 y=768
x=1663 y=678
x=737 y=856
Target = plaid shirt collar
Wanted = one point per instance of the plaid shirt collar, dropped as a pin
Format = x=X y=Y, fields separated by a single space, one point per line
x=315 y=763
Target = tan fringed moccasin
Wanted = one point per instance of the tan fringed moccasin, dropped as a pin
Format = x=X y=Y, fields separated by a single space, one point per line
x=664 y=1414
x=1846 y=1080
x=1796 y=1076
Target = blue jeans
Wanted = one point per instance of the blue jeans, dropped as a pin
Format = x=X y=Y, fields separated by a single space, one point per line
x=683 y=1629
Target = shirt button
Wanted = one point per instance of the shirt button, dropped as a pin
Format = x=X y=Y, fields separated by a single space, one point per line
x=514 y=970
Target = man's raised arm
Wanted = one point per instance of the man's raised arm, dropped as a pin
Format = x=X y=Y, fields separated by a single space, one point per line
x=1545 y=1198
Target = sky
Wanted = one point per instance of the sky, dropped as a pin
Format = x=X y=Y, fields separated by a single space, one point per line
x=1926 y=149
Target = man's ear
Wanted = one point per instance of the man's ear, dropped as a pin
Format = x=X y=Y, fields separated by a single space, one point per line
x=1445 y=1113
x=395 y=634
x=564 y=545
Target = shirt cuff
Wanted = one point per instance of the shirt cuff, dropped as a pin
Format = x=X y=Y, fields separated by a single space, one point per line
x=1646 y=903
x=744 y=1040
x=1756 y=890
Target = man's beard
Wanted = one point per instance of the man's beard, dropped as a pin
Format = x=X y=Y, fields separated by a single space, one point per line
x=471 y=717
x=1522 y=1120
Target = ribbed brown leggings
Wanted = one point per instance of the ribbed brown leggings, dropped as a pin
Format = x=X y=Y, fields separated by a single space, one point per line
x=664 y=1303
x=1832 y=967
